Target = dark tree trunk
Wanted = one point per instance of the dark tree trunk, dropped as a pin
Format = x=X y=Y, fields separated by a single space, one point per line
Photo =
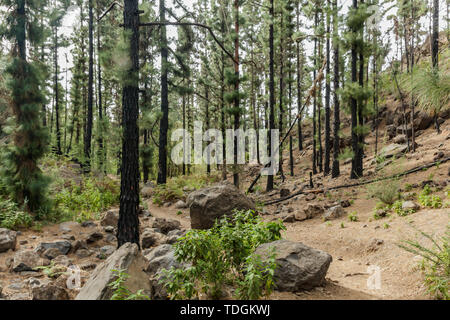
x=335 y=172
x=299 y=85
x=326 y=169
x=100 y=102
x=128 y=226
x=164 y=123
x=236 y=89
x=354 y=108
x=56 y=90
x=90 y=101
x=271 y=94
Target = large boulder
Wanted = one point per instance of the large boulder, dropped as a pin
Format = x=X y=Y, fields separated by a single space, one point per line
x=166 y=225
x=8 y=239
x=393 y=150
x=298 y=267
x=127 y=258
x=422 y=121
x=211 y=203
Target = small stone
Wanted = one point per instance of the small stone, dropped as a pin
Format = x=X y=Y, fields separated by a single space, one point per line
x=288 y=218
x=16 y=286
x=111 y=218
x=79 y=244
x=83 y=253
x=23 y=242
x=93 y=237
x=300 y=216
x=8 y=239
x=166 y=225
x=110 y=238
x=284 y=193
x=333 y=213
x=180 y=204
x=345 y=203
x=52 y=253
x=49 y=292
x=88 y=224
x=410 y=205
x=109 y=229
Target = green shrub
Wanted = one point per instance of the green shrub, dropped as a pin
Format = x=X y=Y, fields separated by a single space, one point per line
x=11 y=217
x=353 y=217
x=435 y=263
x=427 y=199
x=86 y=201
x=223 y=255
x=386 y=192
x=397 y=207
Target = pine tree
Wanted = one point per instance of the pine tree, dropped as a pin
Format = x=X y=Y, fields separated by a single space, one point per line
x=23 y=177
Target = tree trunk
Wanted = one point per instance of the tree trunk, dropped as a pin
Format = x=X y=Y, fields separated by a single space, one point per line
x=128 y=226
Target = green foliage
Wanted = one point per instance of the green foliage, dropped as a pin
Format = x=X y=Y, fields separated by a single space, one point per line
x=353 y=216
x=397 y=208
x=120 y=291
x=427 y=199
x=387 y=193
x=11 y=217
x=435 y=264
x=173 y=189
x=87 y=200
x=224 y=254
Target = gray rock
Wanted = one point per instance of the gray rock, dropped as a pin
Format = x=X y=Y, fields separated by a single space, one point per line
x=49 y=291
x=211 y=203
x=52 y=253
x=8 y=239
x=313 y=209
x=109 y=229
x=83 y=253
x=93 y=237
x=334 y=213
x=161 y=257
x=107 y=250
x=180 y=204
x=393 y=149
x=300 y=216
x=62 y=260
x=127 y=258
x=299 y=267
x=79 y=244
x=16 y=286
x=63 y=246
x=410 y=205
x=27 y=260
x=288 y=217
x=147 y=192
x=166 y=225
x=310 y=197
x=88 y=224
x=111 y=218
x=150 y=238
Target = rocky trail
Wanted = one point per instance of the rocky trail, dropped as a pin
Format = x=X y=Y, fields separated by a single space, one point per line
x=319 y=220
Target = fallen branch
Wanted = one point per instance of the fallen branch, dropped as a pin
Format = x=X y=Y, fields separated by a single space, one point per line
x=413 y=170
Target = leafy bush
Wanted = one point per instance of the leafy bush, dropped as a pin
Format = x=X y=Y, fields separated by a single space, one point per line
x=224 y=255
x=120 y=292
x=11 y=217
x=353 y=217
x=397 y=207
x=387 y=193
x=85 y=201
x=427 y=199
x=435 y=264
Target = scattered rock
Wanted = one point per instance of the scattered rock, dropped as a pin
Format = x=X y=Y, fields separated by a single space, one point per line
x=62 y=260
x=162 y=257
x=180 y=204
x=288 y=218
x=52 y=253
x=166 y=225
x=49 y=291
x=127 y=258
x=211 y=203
x=393 y=149
x=106 y=251
x=334 y=213
x=63 y=246
x=79 y=244
x=109 y=229
x=345 y=203
x=83 y=253
x=110 y=238
x=410 y=205
x=27 y=260
x=150 y=238
x=299 y=267
x=111 y=218
x=439 y=155
x=313 y=209
x=93 y=237
x=300 y=216
x=88 y=224
x=400 y=139
x=8 y=239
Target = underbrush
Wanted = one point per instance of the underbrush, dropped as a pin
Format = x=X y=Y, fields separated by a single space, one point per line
x=86 y=200
x=12 y=217
x=224 y=257
x=174 y=188
x=435 y=263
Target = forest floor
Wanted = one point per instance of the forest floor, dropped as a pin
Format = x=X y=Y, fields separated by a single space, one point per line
x=354 y=245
